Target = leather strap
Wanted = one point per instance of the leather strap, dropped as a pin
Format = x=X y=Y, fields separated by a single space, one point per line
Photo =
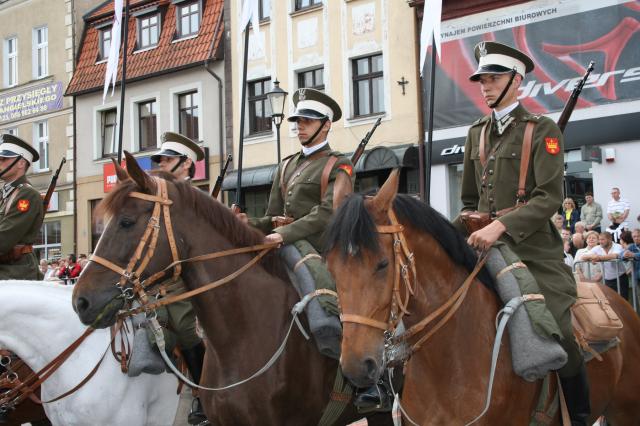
x=524 y=159
x=285 y=164
x=483 y=154
x=358 y=319
x=326 y=172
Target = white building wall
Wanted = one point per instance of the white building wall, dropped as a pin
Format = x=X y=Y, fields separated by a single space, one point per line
x=440 y=191
x=624 y=173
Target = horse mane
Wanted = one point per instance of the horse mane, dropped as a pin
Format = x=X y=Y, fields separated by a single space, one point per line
x=353 y=228
x=215 y=213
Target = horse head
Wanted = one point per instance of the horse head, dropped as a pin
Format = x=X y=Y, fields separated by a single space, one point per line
x=362 y=262
x=126 y=250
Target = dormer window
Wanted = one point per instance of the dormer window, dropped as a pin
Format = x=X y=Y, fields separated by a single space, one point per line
x=148 y=30
x=188 y=16
x=105 y=42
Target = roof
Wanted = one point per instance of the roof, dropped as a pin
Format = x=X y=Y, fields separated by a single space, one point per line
x=167 y=56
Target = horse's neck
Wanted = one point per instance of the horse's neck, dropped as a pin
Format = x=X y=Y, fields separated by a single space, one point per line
x=36 y=320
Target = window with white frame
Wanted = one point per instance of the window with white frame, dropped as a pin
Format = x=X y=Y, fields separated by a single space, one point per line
x=41 y=142
x=368 y=85
x=188 y=19
x=40 y=52
x=264 y=8
x=105 y=43
x=11 y=62
x=11 y=131
x=108 y=132
x=48 y=245
x=313 y=79
x=148 y=30
x=147 y=125
x=303 y=4
x=259 y=106
x=188 y=115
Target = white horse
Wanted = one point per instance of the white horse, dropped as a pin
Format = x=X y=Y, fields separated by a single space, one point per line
x=37 y=322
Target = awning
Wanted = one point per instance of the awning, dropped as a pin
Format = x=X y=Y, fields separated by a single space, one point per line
x=255 y=176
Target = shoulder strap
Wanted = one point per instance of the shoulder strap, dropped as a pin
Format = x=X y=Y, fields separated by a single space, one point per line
x=326 y=172
x=285 y=163
x=524 y=159
x=483 y=154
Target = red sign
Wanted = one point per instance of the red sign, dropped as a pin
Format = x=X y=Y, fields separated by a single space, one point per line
x=109 y=177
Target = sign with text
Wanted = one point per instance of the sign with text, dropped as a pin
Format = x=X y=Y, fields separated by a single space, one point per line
x=33 y=101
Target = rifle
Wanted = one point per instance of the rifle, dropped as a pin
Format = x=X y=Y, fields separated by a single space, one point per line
x=52 y=185
x=363 y=143
x=218 y=184
x=571 y=103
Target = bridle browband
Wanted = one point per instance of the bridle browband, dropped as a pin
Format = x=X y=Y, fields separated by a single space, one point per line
x=404 y=260
x=131 y=274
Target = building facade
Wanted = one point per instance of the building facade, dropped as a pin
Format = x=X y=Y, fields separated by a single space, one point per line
x=175 y=77
x=602 y=139
x=37 y=61
x=360 y=52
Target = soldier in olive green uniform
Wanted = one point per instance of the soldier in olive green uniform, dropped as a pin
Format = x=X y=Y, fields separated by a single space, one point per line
x=492 y=187
x=297 y=207
x=21 y=211
x=178 y=155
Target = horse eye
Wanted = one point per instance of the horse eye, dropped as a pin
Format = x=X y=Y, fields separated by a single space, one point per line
x=126 y=223
x=382 y=265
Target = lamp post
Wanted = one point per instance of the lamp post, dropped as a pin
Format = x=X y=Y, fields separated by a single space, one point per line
x=277 y=98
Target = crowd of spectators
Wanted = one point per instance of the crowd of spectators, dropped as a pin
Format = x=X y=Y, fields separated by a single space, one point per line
x=597 y=253
x=65 y=270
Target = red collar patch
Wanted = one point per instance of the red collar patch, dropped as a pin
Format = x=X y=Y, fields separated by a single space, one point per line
x=552 y=145
x=347 y=168
x=23 y=205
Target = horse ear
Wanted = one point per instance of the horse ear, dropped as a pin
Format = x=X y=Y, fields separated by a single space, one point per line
x=120 y=172
x=139 y=176
x=384 y=198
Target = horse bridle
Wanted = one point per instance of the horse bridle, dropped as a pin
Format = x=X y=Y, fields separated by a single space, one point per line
x=404 y=260
x=132 y=274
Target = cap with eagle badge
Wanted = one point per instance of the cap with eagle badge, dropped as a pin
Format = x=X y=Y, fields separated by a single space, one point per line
x=12 y=147
x=177 y=145
x=498 y=58
x=314 y=104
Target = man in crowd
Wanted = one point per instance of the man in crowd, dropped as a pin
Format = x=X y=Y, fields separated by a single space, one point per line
x=178 y=155
x=614 y=271
x=591 y=213
x=633 y=253
x=520 y=211
x=21 y=211
x=617 y=211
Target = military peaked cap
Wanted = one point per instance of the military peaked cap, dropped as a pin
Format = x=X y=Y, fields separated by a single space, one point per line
x=12 y=146
x=314 y=104
x=177 y=145
x=498 y=58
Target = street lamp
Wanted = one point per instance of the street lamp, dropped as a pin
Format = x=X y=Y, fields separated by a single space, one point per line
x=276 y=97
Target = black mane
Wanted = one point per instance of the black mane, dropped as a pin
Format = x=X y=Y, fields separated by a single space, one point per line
x=352 y=228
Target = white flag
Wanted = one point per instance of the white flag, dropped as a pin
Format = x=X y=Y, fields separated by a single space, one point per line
x=430 y=26
x=250 y=13
x=111 y=75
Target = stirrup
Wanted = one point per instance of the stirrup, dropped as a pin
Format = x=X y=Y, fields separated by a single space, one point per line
x=375 y=399
x=196 y=415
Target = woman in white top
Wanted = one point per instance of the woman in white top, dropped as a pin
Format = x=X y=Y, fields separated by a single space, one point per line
x=588 y=271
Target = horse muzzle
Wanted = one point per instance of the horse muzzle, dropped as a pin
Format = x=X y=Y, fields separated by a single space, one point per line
x=363 y=372
x=98 y=308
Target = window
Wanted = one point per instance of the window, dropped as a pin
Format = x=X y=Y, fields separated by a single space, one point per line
x=148 y=31
x=108 y=132
x=259 y=107
x=313 y=79
x=265 y=9
x=301 y=4
x=105 y=43
x=41 y=143
x=189 y=19
x=147 y=130
x=11 y=131
x=40 y=52
x=97 y=224
x=48 y=245
x=188 y=115
x=368 y=87
x=11 y=62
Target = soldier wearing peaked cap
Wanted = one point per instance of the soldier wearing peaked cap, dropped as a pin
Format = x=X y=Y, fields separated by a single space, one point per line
x=178 y=155
x=21 y=211
x=513 y=171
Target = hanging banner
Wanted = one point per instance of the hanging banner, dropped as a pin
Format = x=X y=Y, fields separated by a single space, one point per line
x=561 y=38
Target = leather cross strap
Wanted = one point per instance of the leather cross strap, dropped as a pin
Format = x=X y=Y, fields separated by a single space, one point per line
x=298 y=170
x=326 y=172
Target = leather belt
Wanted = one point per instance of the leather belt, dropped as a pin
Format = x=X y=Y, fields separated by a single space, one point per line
x=16 y=253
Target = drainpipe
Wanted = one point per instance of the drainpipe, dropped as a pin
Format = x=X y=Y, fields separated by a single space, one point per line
x=75 y=181
x=219 y=80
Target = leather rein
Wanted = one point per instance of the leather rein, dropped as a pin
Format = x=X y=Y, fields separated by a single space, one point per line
x=147 y=245
x=405 y=272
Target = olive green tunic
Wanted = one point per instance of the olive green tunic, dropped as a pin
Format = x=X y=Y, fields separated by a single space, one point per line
x=529 y=231
x=302 y=199
x=21 y=214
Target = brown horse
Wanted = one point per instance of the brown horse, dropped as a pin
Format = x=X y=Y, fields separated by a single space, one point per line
x=446 y=379
x=245 y=321
x=28 y=411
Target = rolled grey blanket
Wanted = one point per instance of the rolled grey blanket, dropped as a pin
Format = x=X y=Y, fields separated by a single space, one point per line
x=326 y=329
x=145 y=357
x=533 y=355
